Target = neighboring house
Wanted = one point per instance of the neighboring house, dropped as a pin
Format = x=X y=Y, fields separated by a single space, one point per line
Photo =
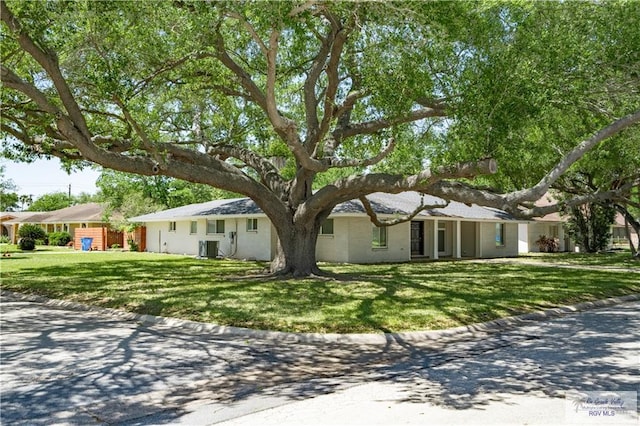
x=619 y=233
x=238 y=228
x=11 y=222
x=551 y=226
x=71 y=219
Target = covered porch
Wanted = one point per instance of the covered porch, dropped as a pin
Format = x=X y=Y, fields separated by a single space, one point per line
x=438 y=238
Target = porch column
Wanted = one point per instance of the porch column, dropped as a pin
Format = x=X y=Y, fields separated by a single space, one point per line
x=435 y=238
x=523 y=238
x=458 y=250
x=14 y=233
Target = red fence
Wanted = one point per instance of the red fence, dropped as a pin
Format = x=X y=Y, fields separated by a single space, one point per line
x=138 y=236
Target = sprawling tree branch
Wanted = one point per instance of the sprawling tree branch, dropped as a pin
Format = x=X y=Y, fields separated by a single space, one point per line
x=374 y=126
x=244 y=78
x=366 y=162
x=357 y=186
x=267 y=171
x=536 y=192
x=12 y=81
x=400 y=219
x=309 y=91
x=49 y=62
x=341 y=35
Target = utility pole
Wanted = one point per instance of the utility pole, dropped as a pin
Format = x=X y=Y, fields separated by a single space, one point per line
x=69 y=194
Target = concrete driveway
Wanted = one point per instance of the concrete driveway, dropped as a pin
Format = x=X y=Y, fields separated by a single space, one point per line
x=67 y=366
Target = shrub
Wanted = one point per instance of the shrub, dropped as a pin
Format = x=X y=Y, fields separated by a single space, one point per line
x=548 y=244
x=115 y=246
x=590 y=225
x=33 y=232
x=59 y=238
x=133 y=246
x=27 y=244
x=4 y=239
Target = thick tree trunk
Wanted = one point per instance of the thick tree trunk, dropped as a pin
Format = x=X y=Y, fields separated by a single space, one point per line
x=296 y=253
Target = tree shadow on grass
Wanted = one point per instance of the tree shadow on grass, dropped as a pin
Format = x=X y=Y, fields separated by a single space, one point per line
x=377 y=298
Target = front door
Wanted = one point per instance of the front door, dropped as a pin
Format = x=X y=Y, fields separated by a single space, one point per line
x=417 y=238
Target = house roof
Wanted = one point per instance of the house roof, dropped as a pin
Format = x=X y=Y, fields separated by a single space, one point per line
x=89 y=212
x=15 y=216
x=382 y=203
x=547 y=200
x=407 y=202
x=229 y=206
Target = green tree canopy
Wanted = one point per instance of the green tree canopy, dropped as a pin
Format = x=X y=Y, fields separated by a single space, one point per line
x=9 y=199
x=348 y=98
x=50 y=202
x=134 y=195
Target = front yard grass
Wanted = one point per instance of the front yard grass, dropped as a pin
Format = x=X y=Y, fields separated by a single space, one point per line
x=617 y=259
x=357 y=299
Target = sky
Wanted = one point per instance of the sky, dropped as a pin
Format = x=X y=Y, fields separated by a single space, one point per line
x=47 y=176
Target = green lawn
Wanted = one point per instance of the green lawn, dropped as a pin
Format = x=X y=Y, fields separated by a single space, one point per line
x=13 y=248
x=619 y=259
x=358 y=298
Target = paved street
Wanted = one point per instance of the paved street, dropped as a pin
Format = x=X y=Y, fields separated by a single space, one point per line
x=62 y=366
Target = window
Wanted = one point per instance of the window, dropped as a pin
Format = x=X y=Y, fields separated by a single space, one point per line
x=327 y=227
x=194 y=227
x=499 y=234
x=215 y=226
x=252 y=225
x=172 y=227
x=379 y=239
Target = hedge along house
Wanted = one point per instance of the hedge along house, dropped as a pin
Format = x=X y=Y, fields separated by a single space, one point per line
x=237 y=228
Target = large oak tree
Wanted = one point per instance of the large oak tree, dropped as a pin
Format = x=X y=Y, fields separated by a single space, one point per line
x=304 y=105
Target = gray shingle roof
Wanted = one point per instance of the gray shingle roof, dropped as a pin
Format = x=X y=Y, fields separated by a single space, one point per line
x=231 y=206
x=385 y=204
x=407 y=202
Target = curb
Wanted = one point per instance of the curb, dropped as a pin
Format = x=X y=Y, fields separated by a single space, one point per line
x=358 y=339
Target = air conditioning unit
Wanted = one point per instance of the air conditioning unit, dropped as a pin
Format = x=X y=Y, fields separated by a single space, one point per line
x=208 y=249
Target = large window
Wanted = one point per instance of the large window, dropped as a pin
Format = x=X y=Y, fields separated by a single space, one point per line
x=193 y=227
x=327 y=227
x=252 y=225
x=215 y=226
x=379 y=238
x=499 y=234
